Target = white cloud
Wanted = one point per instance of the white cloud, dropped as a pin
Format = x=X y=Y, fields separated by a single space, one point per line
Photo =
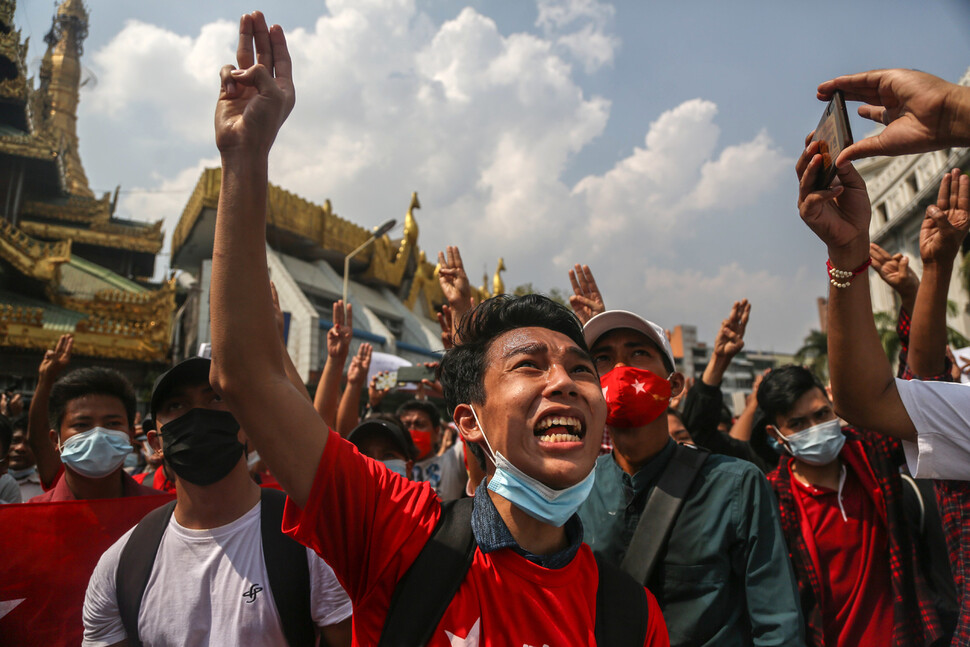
x=673 y=296
x=483 y=124
x=581 y=29
x=664 y=187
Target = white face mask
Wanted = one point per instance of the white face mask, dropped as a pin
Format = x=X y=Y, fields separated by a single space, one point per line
x=97 y=452
x=397 y=466
x=536 y=499
x=818 y=445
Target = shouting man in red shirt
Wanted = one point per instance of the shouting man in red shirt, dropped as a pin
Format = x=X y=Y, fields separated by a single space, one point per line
x=521 y=383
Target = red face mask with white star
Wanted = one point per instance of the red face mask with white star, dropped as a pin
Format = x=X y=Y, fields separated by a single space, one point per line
x=635 y=397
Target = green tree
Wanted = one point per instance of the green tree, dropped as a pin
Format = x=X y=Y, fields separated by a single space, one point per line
x=814 y=354
x=556 y=294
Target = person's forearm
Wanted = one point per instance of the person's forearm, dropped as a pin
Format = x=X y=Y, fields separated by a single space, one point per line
x=958 y=109
x=38 y=434
x=741 y=430
x=349 y=410
x=927 y=336
x=327 y=397
x=292 y=374
x=247 y=358
x=716 y=367
x=908 y=301
x=862 y=382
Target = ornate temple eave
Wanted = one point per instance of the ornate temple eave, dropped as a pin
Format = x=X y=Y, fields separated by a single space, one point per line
x=153 y=307
x=34 y=147
x=204 y=196
x=149 y=241
x=286 y=211
x=31 y=257
x=23 y=328
x=74 y=209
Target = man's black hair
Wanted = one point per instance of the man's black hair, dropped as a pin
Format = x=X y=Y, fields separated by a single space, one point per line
x=781 y=388
x=425 y=407
x=676 y=414
x=20 y=422
x=6 y=436
x=462 y=370
x=89 y=381
x=478 y=453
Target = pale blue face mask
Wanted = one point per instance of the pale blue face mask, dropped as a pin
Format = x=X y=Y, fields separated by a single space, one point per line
x=397 y=465
x=818 y=445
x=97 y=452
x=536 y=499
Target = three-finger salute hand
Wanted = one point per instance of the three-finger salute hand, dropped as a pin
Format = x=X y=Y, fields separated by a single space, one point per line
x=256 y=96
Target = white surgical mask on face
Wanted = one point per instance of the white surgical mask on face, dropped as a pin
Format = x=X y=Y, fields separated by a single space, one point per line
x=536 y=499
x=397 y=466
x=818 y=445
x=97 y=452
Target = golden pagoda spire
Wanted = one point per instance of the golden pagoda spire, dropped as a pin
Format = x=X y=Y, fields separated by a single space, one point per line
x=65 y=44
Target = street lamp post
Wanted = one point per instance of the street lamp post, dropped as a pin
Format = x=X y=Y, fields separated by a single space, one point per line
x=380 y=231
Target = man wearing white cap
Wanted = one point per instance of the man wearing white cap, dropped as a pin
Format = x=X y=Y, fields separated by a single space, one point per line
x=711 y=547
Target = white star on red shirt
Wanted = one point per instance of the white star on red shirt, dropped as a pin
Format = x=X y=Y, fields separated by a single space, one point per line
x=641 y=387
x=470 y=640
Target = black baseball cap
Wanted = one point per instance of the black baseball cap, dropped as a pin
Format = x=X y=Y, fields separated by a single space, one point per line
x=189 y=371
x=377 y=427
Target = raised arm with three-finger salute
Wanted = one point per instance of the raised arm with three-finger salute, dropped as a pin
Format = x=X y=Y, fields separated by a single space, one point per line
x=247 y=361
x=586 y=300
x=942 y=233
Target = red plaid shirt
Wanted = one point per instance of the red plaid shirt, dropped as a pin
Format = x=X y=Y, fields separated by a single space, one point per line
x=916 y=620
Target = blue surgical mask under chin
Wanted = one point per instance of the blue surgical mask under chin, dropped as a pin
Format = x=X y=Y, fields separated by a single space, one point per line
x=397 y=466
x=97 y=452
x=536 y=499
x=818 y=445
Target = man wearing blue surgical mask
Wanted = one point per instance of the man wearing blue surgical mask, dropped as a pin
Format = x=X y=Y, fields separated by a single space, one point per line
x=92 y=413
x=841 y=501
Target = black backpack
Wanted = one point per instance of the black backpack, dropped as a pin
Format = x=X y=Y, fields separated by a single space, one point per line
x=286 y=565
x=427 y=588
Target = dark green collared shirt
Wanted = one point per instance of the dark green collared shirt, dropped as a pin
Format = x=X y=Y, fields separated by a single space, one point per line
x=725 y=579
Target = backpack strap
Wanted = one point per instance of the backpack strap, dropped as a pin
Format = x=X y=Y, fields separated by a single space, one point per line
x=621 y=608
x=661 y=510
x=288 y=571
x=135 y=567
x=427 y=588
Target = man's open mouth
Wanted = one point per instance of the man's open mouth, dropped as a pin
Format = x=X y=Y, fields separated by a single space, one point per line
x=560 y=429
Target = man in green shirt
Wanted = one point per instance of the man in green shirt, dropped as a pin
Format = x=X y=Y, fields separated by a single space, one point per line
x=724 y=577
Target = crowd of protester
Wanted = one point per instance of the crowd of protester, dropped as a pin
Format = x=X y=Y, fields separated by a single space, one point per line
x=559 y=481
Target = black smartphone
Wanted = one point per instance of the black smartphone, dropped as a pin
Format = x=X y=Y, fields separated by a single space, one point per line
x=415 y=374
x=834 y=136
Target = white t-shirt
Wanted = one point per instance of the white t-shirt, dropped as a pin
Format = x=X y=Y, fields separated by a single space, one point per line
x=9 y=489
x=445 y=473
x=207 y=587
x=940 y=411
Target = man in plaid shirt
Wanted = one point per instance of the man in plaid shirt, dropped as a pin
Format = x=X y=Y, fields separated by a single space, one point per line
x=840 y=498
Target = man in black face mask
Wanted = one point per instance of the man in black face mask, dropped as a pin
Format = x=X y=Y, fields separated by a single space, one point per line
x=210 y=561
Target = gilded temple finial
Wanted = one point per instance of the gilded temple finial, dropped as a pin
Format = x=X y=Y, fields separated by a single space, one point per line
x=498 y=285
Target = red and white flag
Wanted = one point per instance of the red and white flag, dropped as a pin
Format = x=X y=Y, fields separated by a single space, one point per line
x=50 y=550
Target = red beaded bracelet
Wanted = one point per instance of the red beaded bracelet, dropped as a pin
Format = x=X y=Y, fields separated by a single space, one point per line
x=842 y=278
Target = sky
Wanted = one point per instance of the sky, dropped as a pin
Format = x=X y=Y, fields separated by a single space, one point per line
x=653 y=141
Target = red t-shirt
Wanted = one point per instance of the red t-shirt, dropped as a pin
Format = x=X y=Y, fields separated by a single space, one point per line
x=61 y=491
x=850 y=554
x=159 y=481
x=370 y=524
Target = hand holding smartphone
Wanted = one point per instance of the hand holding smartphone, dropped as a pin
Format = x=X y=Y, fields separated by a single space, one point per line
x=833 y=135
